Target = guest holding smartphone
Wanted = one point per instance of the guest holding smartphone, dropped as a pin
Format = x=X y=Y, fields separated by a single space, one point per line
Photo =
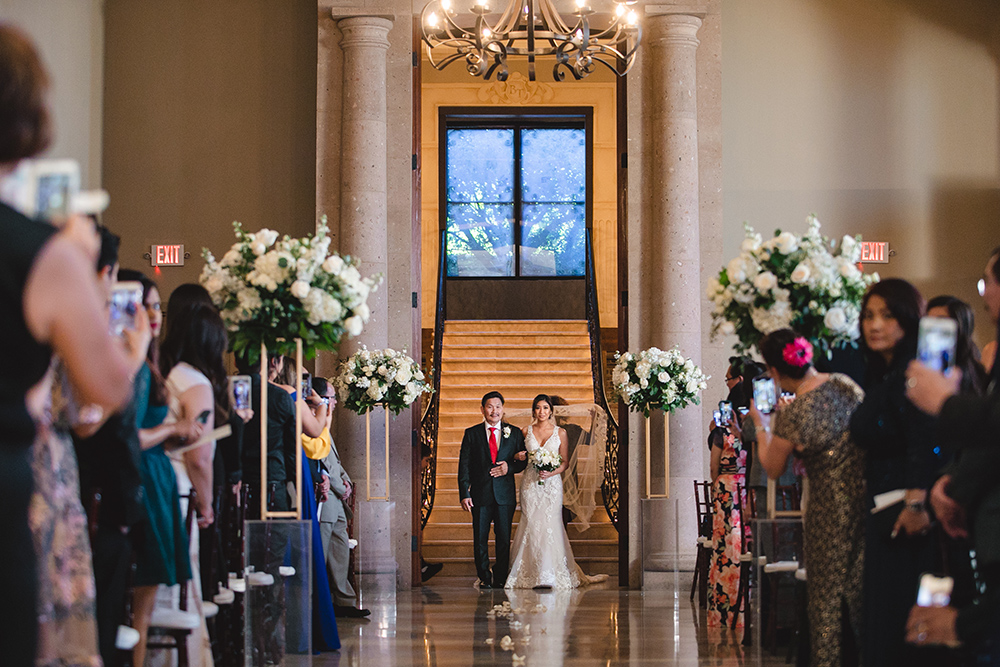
x=903 y=456
x=815 y=427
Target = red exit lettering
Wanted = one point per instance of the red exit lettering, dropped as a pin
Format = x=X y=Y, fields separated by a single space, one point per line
x=875 y=252
x=167 y=255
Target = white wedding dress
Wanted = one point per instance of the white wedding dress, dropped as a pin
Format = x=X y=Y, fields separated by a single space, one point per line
x=542 y=553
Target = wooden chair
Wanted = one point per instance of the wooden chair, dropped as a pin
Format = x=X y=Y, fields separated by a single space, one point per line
x=745 y=503
x=170 y=628
x=786 y=560
x=704 y=510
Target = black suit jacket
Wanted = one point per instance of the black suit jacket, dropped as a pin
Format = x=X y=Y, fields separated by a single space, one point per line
x=474 y=465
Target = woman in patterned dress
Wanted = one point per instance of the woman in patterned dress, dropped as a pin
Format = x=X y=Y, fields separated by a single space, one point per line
x=815 y=427
x=729 y=465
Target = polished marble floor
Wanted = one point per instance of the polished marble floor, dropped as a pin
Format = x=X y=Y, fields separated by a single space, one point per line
x=447 y=622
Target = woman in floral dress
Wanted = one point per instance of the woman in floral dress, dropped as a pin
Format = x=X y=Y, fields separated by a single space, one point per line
x=728 y=474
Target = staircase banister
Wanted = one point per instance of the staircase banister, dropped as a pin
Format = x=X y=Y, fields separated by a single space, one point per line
x=429 y=420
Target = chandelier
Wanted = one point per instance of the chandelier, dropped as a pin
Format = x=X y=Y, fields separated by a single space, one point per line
x=530 y=29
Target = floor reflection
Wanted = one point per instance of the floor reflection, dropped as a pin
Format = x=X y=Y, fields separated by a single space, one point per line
x=450 y=623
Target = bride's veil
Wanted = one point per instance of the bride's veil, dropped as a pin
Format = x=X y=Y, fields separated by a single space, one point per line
x=586 y=426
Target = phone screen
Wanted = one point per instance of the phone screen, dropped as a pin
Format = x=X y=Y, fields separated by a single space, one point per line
x=726 y=410
x=306 y=386
x=764 y=394
x=936 y=341
x=126 y=299
x=934 y=591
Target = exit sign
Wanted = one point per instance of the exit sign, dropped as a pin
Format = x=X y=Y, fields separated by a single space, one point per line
x=874 y=252
x=167 y=255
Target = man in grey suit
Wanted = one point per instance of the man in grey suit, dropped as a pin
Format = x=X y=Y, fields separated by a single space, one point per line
x=333 y=520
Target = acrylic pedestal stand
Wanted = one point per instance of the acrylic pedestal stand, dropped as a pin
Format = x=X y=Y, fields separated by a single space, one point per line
x=278 y=562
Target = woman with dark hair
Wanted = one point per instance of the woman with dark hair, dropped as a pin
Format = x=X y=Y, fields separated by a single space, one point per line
x=814 y=427
x=50 y=307
x=966 y=499
x=967 y=358
x=161 y=557
x=903 y=458
x=542 y=553
x=197 y=388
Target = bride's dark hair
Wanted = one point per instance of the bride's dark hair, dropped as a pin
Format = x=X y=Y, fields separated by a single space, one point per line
x=539 y=399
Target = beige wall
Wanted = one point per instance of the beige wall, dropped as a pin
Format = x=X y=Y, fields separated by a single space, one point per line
x=70 y=36
x=880 y=117
x=209 y=117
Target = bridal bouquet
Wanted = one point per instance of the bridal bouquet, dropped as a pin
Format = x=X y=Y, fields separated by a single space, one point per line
x=544 y=459
x=801 y=282
x=379 y=377
x=273 y=291
x=657 y=380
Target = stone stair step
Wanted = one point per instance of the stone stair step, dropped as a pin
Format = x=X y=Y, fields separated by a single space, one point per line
x=460 y=326
x=512 y=352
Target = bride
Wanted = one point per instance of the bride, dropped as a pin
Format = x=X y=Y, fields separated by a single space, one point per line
x=542 y=553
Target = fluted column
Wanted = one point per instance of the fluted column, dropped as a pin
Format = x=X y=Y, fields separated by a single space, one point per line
x=671 y=260
x=364 y=234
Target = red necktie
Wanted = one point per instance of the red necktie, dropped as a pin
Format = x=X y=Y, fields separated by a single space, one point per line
x=493 y=443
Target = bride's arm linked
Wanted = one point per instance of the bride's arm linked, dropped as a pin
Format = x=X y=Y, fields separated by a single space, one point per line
x=563 y=452
x=522 y=455
x=520 y=460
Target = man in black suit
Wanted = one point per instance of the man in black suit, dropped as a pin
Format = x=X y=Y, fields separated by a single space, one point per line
x=486 y=469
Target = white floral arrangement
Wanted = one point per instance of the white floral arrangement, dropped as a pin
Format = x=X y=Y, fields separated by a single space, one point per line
x=655 y=379
x=544 y=459
x=379 y=377
x=801 y=282
x=273 y=291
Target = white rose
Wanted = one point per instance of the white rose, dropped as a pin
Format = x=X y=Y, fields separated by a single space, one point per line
x=849 y=271
x=835 y=319
x=363 y=311
x=663 y=376
x=643 y=382
x=736 y=270
x=214 y=284
x=333 y=264
x=800 y=273
x=231 y=258
x=403 y=376
x=727 y=328
x=765 y=282
x=267 y=236
x=751 y=243
x=693 y=386
x=374 y=391
x=786 y=243
x=353 y=325
x=300 y=289
x=258 y=248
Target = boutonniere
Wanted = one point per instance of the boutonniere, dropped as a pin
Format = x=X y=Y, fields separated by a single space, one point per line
x=506 y=431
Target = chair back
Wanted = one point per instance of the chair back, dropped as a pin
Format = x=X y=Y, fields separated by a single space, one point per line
x=703 y=507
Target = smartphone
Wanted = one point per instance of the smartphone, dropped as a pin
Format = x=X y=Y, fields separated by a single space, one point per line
x=936 y=339
x=126 y=299
x=717 y=417
x=765 y=394
x=203 y=417
x=239 y=388
x=306 y=386
x=726 y=411
x=934 y=591
x=43 y=188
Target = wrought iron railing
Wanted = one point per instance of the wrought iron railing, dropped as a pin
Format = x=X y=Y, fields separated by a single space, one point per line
x=429 y=420
x=609 y=487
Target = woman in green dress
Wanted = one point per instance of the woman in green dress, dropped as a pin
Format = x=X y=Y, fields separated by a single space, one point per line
x=162 y=547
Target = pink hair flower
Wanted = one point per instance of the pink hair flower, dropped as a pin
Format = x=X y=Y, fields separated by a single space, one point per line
x=798 y=353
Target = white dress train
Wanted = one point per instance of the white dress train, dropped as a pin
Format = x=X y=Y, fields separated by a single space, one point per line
x=542 y=553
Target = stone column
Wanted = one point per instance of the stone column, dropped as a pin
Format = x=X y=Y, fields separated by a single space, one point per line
x=363 y=234
x=671 y=259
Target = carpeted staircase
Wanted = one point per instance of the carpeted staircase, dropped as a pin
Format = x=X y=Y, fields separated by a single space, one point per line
x=519 y=358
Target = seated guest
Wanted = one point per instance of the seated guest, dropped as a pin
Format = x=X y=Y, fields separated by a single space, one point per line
x=966 y=501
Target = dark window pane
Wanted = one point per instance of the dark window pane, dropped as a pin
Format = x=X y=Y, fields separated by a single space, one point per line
x=553 y=239
x=554 y=165
x=480 y=165
x=480 y=240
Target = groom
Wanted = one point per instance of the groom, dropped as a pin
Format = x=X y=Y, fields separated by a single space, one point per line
x=486 y=468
